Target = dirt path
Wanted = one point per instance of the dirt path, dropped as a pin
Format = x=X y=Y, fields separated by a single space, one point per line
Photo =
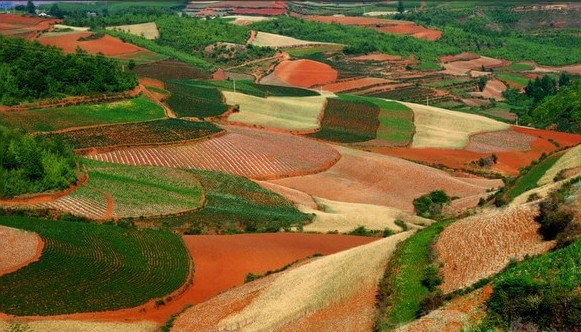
x=168 y=111
x=110 y=202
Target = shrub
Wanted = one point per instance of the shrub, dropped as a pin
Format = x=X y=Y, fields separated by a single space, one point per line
x=430 y=205
x=432 y=277
x=404 y=227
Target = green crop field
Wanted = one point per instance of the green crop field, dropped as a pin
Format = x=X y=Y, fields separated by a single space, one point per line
x=140 y=133
x=145 y=190
x=349 y=119
x=395 y=121
x=138 y=109
x=520 y=66
x=158 y=90
x=428 y=66
x=250 y=88
x=513 y=78
x=195 y=100
x=235 y=204
x=89 y=267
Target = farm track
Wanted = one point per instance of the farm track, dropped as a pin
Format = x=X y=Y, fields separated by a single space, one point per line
x=168 y=111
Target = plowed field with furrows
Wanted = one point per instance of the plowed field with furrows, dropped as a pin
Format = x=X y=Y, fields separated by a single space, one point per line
x=244 y=152
x=85 y=207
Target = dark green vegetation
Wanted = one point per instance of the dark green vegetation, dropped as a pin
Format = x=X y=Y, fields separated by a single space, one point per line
x=234 y=205
x=30 y=71
x=542 y=291
x=33 y=164
x=430 y=205
x=259 y=90
x=116 y=267
x=359 y=40
x=496 y=31
x=562 y=110
x=349 y=119
x=520 y=66
x=199 y=101
x=402 y=291
x=414 y=94
x=138 y=109
x=556 y=217
x=140 y=133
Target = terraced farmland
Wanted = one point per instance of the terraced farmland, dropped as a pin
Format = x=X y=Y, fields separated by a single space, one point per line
x=235 y=204
x=489 y=242
x=396 y=125
x=120 y=191
x=250 y=88
x=291 y=113
x=133 y=110
x=349 y=119
x=170 y=69
x=117 y=267
x=157 y=132
x=242 y=151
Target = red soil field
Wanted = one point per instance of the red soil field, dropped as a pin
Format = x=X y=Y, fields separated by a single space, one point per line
x=107 y=45
x=242 y=151
x=259 y=11
x=19 y=248
x=305 y=73
x=500 y=141
x=381 y=25
x=488 y=242
x=369 y=178
x=222 y=261
x=24 y=26
x=458 y=57
x=359 y=83
x=508 y=162
x=494 y=89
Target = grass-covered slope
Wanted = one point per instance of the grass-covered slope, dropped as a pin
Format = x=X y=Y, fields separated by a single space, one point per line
x=138 y=109
x=236 y=204
x=89 y=267
x=543 y=292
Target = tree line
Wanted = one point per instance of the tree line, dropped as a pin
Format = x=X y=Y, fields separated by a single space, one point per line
x=33 y=164
x=30 y=71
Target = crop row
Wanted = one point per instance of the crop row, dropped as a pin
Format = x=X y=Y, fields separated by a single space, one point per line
x=90 y=267
x=349 y=119
x=142 y=133
x=170 y=69
x=195 y=100
x=412 y=94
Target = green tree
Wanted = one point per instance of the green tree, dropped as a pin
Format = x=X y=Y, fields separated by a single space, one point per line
x=400 y=8
x=30 y=7
x=55 y=11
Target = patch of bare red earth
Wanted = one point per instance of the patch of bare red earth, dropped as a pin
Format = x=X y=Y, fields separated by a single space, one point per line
x=108 y=45
x=488 y=242
x=369 y=178
x=509 y=160
x=305 y=73
x=381 y=25
x=245 y=152
x=380 y=57
x=27 y=27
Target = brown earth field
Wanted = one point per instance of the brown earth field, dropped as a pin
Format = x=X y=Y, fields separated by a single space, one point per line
x=242 y=151
x=305 y=73
x=369 y=178
x=488 y=241
x=27 y=27
x=356 y=84
x=108 y=45
x=222 y=262
x=509 y=162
